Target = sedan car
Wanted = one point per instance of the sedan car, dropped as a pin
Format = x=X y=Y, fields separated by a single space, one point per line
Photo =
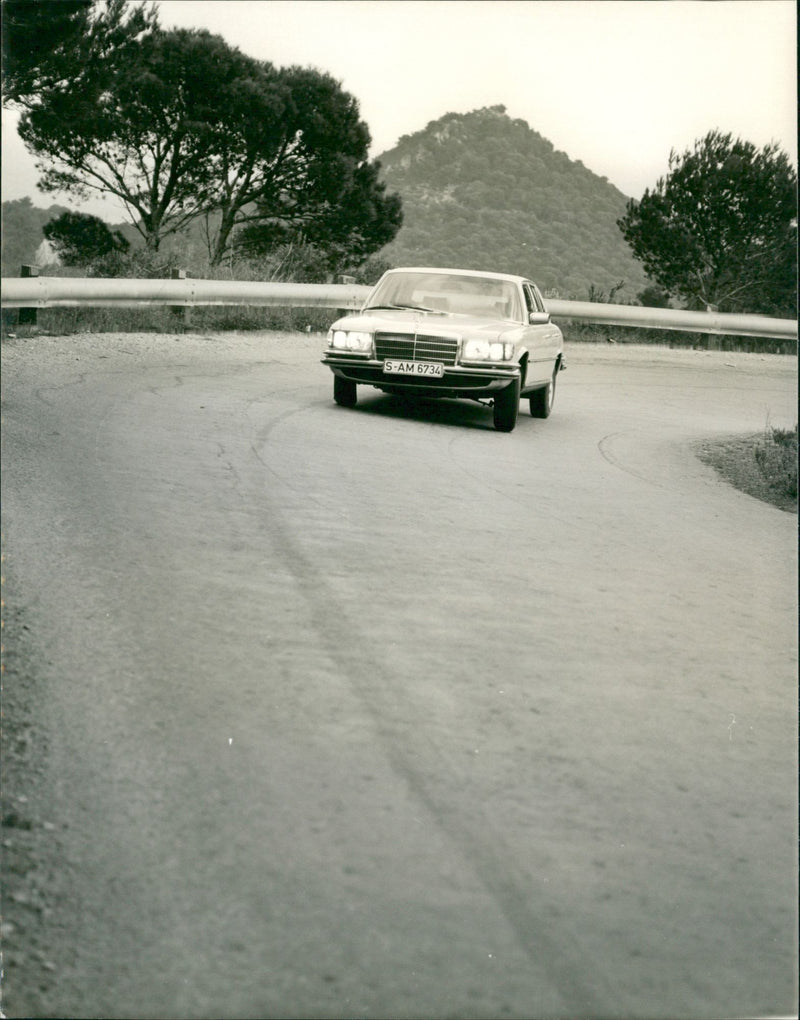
x=450 y=333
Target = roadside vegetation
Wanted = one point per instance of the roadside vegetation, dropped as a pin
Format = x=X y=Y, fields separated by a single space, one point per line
x=764 y=466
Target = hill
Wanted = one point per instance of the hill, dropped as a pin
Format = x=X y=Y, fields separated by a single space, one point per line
x=485 y=191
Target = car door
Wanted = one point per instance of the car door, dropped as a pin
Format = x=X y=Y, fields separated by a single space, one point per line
x=543 y=339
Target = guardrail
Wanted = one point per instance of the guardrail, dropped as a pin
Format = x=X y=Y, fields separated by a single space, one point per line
x=719 y=323
x=64 y=292
x=68 y=292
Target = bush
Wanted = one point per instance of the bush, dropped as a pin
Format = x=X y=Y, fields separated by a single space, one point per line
x=776 y=457
x=139 y=264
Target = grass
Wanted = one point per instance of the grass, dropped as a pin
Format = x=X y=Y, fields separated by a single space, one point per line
x=764 y=466
x=163 y=319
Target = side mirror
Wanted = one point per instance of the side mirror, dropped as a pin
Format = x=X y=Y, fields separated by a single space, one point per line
x=538 y=318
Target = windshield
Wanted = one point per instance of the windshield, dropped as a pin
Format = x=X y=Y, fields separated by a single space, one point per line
x=447 y=292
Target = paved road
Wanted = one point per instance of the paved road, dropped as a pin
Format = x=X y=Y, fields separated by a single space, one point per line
x=380 y=713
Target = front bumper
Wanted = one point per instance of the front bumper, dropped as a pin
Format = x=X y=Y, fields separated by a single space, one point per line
x=457 y=381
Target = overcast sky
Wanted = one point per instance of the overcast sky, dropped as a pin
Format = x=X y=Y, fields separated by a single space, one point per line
x=614 y=84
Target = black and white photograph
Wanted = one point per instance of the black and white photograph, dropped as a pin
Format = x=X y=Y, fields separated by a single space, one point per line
x=399 y=510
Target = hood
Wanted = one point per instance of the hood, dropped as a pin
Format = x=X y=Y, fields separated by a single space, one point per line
x=391 y=320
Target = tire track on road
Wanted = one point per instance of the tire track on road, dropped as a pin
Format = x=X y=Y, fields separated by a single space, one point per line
x=605 y=446
x=539 y=932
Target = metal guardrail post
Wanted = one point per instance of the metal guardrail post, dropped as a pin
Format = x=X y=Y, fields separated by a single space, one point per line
x=349 y=281
x=27 y=316
x=181 y=313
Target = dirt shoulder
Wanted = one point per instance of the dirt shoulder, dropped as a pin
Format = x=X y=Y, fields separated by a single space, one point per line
x=29 y=853
x=734 y=460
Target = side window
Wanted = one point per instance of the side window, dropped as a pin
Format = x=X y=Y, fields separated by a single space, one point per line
x=531 y=304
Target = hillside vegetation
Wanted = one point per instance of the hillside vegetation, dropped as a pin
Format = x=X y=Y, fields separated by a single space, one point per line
x=485 y=191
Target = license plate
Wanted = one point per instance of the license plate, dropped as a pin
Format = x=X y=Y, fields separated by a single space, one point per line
x=424 y=368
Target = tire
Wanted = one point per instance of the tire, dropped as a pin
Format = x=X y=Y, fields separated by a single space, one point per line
x=344 y=392
x=541 y=401
x=506 y=407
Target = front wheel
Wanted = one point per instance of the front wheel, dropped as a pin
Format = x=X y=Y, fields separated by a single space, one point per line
x=344 y=392
x=506 y=407
x=541 y=402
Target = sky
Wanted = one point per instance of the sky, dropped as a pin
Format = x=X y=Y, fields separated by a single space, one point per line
x=616 y=84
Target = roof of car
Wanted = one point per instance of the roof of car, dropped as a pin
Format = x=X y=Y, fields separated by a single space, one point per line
x=459 y=272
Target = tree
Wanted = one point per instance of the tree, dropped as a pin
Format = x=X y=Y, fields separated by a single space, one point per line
x=362 y=220
x=144 y=127
x=180 y=125
x=348 y=227
x=293 y=167
x=720 y=230
x=37 y=37
x=80 y=239
x=54 y=45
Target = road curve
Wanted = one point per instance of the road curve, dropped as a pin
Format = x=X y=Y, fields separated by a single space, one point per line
x=381 y=713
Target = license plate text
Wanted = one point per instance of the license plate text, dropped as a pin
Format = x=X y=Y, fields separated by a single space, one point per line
x=423 y=368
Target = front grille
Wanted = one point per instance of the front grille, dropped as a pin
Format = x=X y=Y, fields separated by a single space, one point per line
x=408 y=347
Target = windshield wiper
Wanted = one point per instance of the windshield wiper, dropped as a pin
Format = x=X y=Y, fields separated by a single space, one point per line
x=407 y=308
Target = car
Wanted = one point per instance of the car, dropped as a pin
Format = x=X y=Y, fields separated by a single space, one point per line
x=450 y=333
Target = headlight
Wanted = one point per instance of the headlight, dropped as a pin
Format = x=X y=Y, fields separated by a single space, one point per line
x=350 y=340
x=487 y=350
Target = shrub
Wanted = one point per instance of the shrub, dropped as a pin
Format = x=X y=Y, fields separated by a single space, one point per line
x=139 y=264
x=776 y=457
